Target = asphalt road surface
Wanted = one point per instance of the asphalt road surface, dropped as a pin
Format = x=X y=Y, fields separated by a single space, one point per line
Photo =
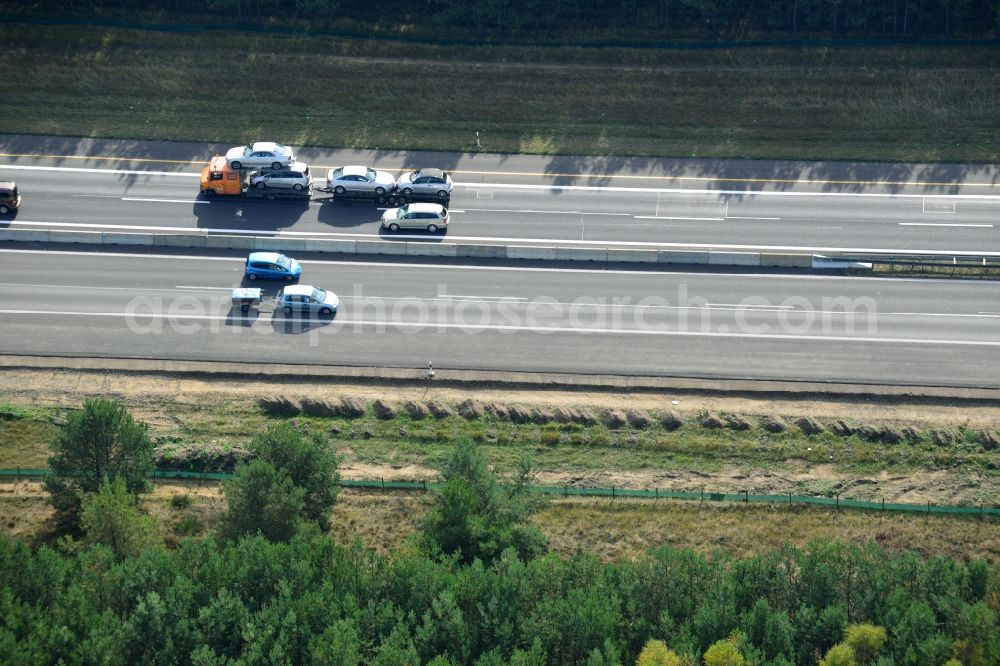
x=123 y=186
x=747 y=326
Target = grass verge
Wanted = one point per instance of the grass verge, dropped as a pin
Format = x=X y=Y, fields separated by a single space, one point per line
x=907 y=103
x=610 y=530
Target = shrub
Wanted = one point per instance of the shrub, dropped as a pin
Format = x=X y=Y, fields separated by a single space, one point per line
x=180 y=501
x=278 y=405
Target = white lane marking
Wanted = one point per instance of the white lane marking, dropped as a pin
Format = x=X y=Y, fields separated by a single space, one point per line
x=126 y=172
x=569 y=188
x=187 y=201
x=743 y=193
x=340 y=323
x=977 y=284
x=741 y=217
x=943 y=224
x=501 y=239
x=225 y=289
x=21 y=285
x=479 y=298
x=540 y=212
x=664 y=217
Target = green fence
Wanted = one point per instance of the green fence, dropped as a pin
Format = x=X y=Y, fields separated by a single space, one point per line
x=572 y=491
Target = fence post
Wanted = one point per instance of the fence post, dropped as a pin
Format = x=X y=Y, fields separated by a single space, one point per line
x=883 y=506
x=703 y=497
x=612 y=492
x=565 y=491
x=838 y=502
x=657 y=490
x=746 y=496
x=383 y=482
x=789 y=499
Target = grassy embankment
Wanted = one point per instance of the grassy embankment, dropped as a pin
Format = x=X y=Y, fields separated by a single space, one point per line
x=907 y=103
x=589 y=454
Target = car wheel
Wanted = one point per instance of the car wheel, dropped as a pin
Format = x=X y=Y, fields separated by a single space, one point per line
x=407 y=191
x=297 y=187
x=442 y=194
x=260 y=184
x=339 y=189
x=393 y=227
x=208 y=193
x=4 y=209
x=275 y=165
x=288 y=278
x=326 y=311
x=288 y=309
x=432 y=228
x=380 y=191
x=237 y=165
x=252 y=276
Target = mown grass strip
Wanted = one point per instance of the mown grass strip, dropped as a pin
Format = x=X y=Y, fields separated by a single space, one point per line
x=907 y=103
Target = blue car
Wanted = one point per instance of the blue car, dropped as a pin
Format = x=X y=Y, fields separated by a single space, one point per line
x=272 y=265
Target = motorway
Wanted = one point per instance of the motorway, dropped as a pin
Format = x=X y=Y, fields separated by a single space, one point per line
x=635 y=323
x=525 y=200
x=518 y=317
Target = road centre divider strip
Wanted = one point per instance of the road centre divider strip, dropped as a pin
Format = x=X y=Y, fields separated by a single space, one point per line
x=414 y=248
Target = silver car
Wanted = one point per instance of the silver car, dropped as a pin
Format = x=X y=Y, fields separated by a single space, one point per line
x=426 y=182
x=429 y=216
x=303 y=298
x=260 y=153
x=296 y=177
x=359 y=179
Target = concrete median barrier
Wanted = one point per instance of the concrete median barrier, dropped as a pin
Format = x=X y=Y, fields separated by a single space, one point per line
x=380 y=247
x=786 y=260
x=219 y=242
x=676 y=257
x=733 y=259
x=431 y=250
x=482 y=251
x=24 y=235
x=582 y=254
x=632 y=256
x=330 y=245
x=279 y=244
x=536 y=253
x=389 y=246
x=108 y=238
x=59 y=236
x=179 y=240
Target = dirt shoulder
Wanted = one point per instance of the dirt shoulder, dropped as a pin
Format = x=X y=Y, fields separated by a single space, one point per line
x=146 y=394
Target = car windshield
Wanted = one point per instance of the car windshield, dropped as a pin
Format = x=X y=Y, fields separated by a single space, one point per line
x=318 y=295
x=247 y=150
x=280 y=149
x=284 y=262
x=371 y=174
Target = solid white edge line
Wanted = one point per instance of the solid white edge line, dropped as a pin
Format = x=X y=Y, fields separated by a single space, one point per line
x=340 y=323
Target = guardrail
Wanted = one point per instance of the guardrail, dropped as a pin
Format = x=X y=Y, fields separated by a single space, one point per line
x=612 y=492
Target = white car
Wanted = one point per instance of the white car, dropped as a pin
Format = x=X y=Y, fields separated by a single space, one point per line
x=425 y=182
x=260 y=154
x=429 y=216
x=305 y=299
x=359 y=179
x=296 y=176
